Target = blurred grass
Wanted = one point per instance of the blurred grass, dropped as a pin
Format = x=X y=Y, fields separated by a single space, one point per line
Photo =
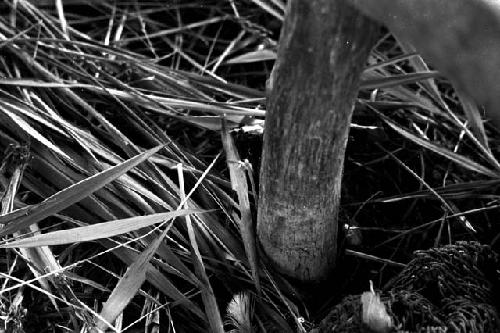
x=86 y=86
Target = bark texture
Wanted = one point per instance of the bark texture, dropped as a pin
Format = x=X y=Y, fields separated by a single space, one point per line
x=460 y=37
x=323 y=49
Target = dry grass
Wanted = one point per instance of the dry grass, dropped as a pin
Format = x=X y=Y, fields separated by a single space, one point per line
x=111 y=122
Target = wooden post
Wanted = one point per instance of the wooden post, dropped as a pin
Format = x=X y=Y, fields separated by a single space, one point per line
x=322 y=52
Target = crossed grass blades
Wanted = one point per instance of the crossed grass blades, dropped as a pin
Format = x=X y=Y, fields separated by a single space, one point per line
x=125 y=202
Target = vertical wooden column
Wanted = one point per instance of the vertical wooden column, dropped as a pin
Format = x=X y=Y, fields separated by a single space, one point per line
x=323 y=49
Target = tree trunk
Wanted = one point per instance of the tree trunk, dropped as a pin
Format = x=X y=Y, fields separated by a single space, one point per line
x=322 y=52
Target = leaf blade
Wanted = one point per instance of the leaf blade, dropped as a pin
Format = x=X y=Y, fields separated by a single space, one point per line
x=97 y=231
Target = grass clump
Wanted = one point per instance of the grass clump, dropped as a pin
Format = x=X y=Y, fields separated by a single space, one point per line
x=111 y=117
